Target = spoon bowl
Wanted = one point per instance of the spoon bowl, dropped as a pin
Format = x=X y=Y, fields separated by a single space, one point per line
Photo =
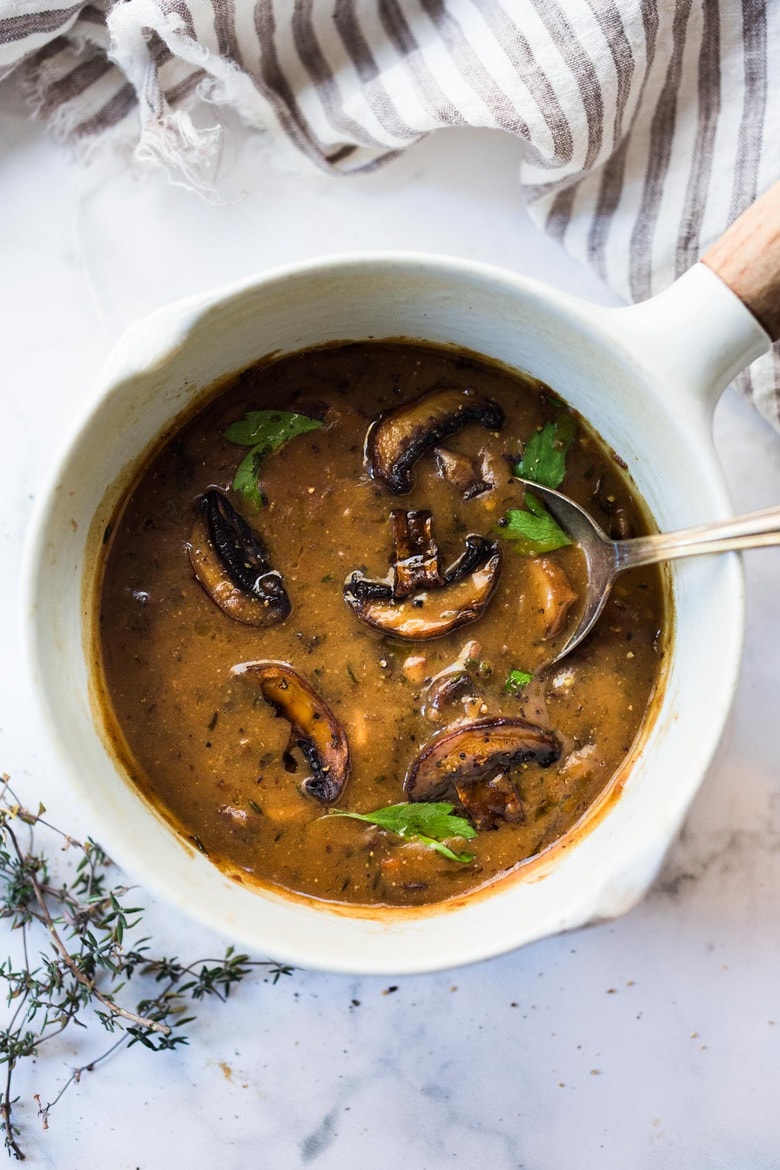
x=606 y=558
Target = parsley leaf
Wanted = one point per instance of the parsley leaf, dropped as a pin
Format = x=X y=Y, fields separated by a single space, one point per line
x=544 y=458
x=264 y=431
x=269 y=429
x=516 y=680
x=245 y=479
x=444 y=850
x=534 y=531
x=427 y=822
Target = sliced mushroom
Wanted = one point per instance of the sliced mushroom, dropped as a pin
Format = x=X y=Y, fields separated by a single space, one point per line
x=420 y=601
x=314 y=729
x=449 y=688
x=414 y=668
x=416 y=561
x=581 y=763
x=397 y=438
x=619 y=526
x=477 y=752
x=231 y=563
x=488 y=802
x=461 y=472
x=452 y=685
x=552 y=592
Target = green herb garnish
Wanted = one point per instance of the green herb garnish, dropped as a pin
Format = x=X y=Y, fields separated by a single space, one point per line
x=265 y=431
x=544 y=458
x=534 y=531
x=430 y=823
x=245 y=479
x=83 y=959
x=516 y=680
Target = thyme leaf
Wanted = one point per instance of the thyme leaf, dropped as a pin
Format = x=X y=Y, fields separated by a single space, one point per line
x=80 y=955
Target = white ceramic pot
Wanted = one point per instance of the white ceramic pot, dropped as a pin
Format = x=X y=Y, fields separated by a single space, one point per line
x=647 y=377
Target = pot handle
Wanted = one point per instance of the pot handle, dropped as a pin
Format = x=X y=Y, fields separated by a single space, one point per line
x=717 y=318
x=747 y=259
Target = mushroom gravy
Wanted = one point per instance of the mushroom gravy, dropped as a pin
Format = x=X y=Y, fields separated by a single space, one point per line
x=362 y=626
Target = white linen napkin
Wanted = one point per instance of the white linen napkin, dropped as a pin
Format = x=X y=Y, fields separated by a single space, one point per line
x=646 y=125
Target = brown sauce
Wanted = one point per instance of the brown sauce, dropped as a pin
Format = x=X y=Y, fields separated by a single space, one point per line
x=204 y=746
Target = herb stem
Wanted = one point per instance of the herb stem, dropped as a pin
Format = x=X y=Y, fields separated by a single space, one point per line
x=6 y=1107
x=75 y=1077
x=113 y=1008
x=87 y=964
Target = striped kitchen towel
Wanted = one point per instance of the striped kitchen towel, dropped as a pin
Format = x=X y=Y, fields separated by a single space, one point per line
x=646 y=125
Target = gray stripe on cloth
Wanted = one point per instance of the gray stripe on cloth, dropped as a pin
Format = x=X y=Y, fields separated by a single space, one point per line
x=182 y=10
x=661 y=136
x=473 y=72
x=560 y=212
x=610 y=190
x=745 y=182
x=278 y=90
x=111 y=113
x=91 y=15
x=613 y=172
x=520 y=52
x=754 y=99
x=225 y=29
x=29 y=24
x=689 y=236
x=182 y=89
x=427 y=88
x=582 y=70
x=354 y=40
x=316 y=64
x=74 y=83
x=157 y=49
x=612 y=179
x=53 y=49
x=749 y=154
x=611 y=24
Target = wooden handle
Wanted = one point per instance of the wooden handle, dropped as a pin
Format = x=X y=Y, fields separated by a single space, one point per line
x=747 y=259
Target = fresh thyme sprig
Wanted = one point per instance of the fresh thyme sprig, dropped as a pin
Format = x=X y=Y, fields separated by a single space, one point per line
x=75 y=963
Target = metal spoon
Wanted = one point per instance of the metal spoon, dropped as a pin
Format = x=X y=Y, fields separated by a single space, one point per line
x=605 y=558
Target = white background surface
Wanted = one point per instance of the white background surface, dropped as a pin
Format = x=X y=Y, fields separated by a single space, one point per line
x=647 y=1042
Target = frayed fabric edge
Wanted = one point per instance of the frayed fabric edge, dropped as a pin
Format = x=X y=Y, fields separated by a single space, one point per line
x=191 y=154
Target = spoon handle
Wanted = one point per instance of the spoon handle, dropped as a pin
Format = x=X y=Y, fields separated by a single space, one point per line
x=754 y=530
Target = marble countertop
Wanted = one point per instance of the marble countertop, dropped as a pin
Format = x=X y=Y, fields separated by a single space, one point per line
x=651 y=1041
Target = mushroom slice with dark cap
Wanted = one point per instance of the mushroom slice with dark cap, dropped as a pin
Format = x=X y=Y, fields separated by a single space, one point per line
x=421 y=601
x=231 y=563
x=488 y=802
x=461 y=471
x=314 y=729
x=478 y=752
x=396 y=439
x=449 y=688
x=416 y=560
x=553 y=594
